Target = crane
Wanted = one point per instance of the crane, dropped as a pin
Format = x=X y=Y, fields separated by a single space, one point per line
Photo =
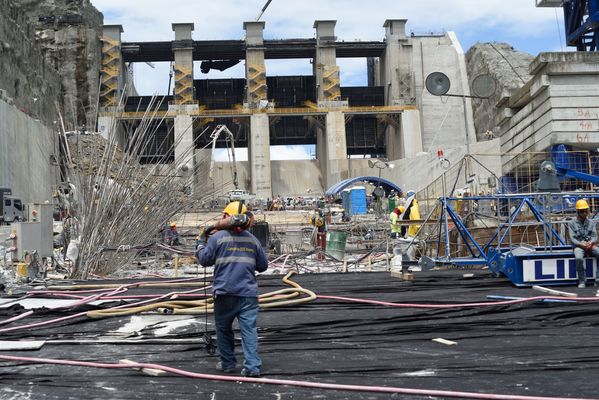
x=581 y=20
x=262 y=11
x=229 y=139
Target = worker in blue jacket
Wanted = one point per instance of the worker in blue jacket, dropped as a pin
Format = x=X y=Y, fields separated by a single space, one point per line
x=236 y=255
x=583 y=235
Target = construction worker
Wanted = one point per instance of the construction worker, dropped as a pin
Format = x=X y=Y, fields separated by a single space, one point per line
x=583 y=235
x=318 y=220
x=236 y=255
x=397 y=230
x=413 y=211
x=172 y=235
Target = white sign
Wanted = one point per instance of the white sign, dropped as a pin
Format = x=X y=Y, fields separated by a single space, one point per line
x=555 y=269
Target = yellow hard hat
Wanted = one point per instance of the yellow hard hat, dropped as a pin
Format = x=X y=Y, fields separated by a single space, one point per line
x=582 y=205
x=235 y=208
x=173 y=225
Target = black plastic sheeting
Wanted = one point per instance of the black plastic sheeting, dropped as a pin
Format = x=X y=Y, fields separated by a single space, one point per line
x=531 y=349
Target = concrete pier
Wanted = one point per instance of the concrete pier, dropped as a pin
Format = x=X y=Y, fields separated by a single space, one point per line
x=184 y=103
x=331 y=147
x=256 y=98
x=112 y=83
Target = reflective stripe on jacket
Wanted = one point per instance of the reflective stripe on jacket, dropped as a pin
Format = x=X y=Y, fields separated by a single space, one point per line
x=236 y=257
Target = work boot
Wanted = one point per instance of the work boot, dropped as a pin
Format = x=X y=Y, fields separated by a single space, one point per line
x=582 y=285
x=228 y=370
x=250 y=374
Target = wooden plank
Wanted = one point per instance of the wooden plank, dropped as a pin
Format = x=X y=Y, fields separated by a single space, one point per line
x=17 y=345
x=445 y=341
x=147 y=371
x=553 y=292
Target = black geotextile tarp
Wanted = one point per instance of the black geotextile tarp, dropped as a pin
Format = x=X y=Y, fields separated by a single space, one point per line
x=531 y=349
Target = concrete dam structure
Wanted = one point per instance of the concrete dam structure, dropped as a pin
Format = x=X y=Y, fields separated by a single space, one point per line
x=58 y=66
x=346 y=124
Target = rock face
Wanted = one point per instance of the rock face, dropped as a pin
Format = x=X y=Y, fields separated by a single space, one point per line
x=509 y=68
x=60 y=47
x=25 y=79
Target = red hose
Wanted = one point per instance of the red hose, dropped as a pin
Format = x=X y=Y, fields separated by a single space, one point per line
x=459 y=305
x=285 y=382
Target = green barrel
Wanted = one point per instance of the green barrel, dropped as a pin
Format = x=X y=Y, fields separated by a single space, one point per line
x=391 y=205
x=336 y=244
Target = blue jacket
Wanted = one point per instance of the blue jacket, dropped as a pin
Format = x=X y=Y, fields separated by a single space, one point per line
x=236 y=257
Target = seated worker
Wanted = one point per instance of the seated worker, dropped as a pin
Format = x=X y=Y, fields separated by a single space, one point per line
x=397 y=230
x=583 y=235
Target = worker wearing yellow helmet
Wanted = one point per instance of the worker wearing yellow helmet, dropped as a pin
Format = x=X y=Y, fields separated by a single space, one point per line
x=172 y=235
x=583 y=235
x=236 y=255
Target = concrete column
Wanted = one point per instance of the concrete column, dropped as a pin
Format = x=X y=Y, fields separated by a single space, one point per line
x=331 y=144
x=336 y=149
x=183 y=50
x=184 y=146
x=397 y=77
x=112 y=74
x=255 y=69
x=259 y=157
x=256 y=98
x=326 y=71
x=184 y=104
x=112 y=83
x=411 y=133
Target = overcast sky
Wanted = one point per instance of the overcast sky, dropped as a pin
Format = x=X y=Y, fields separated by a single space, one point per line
x=517 y=22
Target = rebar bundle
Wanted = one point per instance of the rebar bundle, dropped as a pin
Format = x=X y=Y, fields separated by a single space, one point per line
x=118 y=201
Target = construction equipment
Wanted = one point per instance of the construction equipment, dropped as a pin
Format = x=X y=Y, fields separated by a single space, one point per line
x=263 y=9
x=548 y=261
x=11 y=208
x=230 y=141
x=581 y=21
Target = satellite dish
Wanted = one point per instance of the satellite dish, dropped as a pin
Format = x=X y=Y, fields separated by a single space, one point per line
x=437 y=83
x=370 y=164
x=483 y=86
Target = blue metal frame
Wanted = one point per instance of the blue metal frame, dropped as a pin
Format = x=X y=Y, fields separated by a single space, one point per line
x=581 y=32
x=577 y=175
x=384 y=183
x=499 y=257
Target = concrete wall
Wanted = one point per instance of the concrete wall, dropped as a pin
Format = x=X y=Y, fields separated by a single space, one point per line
x=25 y=149
x=559 y=105
x=416 y=173
x=442 y=118
x=289 y=177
